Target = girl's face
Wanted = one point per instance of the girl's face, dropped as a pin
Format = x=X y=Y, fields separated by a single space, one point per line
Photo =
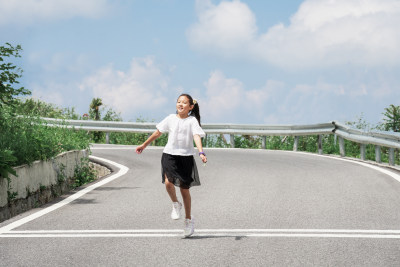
x=183 y=106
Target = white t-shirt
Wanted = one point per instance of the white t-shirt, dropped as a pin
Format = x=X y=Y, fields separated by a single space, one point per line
x=180 y=134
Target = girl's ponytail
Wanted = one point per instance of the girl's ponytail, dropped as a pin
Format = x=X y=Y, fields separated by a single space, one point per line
x=196 y=110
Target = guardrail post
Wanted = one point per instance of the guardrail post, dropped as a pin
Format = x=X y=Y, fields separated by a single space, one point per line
x=378 y=154
x=296 y=143
x=341 y=147
x=362 y=151
x=107 y=138
x=264 y=142
x=320 y=144
x=232 y=141
x=391 y=156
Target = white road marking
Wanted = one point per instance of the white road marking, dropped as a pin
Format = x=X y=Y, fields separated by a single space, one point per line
x=377 y=168
x=112 y=148
x=126 y=148
x=291 y=233
x=359 y=231
x=122 y=170
x=365 y=164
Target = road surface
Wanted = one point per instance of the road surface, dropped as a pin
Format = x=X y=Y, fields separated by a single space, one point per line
x=254 y=207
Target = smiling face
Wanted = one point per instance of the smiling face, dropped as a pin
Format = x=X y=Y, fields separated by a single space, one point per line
x=183 y=106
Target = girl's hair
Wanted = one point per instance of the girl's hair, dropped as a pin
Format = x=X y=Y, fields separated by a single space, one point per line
x=196 y=109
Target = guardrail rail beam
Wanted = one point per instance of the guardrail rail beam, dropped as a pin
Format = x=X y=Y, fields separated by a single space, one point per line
x=380 y=139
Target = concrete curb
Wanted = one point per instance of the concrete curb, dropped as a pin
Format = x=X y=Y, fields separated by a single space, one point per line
x=38 y=183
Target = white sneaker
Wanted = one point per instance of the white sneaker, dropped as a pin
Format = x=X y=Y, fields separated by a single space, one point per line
x=189 y=227
x=176 y=210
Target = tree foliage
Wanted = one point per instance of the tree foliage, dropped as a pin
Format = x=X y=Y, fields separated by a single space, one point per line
x=9 y=75
x=392 y=118
x=36 y=107
x=95 y=108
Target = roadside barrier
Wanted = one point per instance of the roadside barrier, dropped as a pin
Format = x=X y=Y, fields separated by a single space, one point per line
x=390 y=140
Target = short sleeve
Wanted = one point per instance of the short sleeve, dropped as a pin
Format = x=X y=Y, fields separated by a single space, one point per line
x=196 y=129
x=163 y=125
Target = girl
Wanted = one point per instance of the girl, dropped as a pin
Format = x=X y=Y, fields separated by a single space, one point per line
x=177 y=162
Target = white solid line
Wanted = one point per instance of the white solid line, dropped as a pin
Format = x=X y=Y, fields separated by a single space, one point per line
x=122 y=170
x=112 y=148
x=325 y=231
x=126 y=148
x=297 y=235
x=377 y=168
x=151 y=233
x=87 y=235
x=96 y=231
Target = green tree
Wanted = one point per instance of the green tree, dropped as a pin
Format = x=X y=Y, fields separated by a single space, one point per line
x=392 y=118
x=95 y=108
x=35 y=107
x=95 y=114
x=360 y=123
x=112 y=115
x=9 y=75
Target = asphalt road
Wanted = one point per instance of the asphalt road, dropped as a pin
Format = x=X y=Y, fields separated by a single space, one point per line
x=254 y=207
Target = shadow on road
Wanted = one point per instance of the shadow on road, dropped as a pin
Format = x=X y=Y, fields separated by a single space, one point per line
x=237 y=238
x=83 y=201
x=114 y=188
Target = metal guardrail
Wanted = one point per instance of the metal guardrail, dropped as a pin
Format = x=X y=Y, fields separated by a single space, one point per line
x=386 y=139
x=379 y=139
x=104 y=126
x=209 y=128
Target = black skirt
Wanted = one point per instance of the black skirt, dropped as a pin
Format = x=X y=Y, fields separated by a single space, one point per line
x=180 y=170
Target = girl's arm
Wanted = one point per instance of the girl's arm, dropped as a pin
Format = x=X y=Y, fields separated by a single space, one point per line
x=197 y=140
x=153 y=137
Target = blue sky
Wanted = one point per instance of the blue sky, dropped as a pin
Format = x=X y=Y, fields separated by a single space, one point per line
x=247 y=61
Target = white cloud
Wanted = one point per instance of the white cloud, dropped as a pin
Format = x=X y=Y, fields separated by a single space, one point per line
x=326 y=87
x=227 y=27
x=50 y=93
x=259 y=97
x=223 y=95
x=31 y=11
x=322 y=33
x=60 y=62
x=142 y=87
x=227 y=99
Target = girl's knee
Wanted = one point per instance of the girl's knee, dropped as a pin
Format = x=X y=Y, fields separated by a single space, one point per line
x=169 y=184
x=185 y=191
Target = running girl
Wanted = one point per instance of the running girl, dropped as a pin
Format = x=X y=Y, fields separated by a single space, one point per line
x=177 y=162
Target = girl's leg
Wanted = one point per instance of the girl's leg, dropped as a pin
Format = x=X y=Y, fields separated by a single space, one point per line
x=187 y=202
x=171 y=190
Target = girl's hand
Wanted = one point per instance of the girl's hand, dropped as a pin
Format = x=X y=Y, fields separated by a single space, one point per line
x=153 y=137
x=140 y=149
x=203 y=158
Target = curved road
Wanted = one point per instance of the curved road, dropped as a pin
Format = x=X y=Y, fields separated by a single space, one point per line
x=255 y=207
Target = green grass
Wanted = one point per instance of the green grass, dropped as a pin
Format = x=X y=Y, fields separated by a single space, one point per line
x=25 y=139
